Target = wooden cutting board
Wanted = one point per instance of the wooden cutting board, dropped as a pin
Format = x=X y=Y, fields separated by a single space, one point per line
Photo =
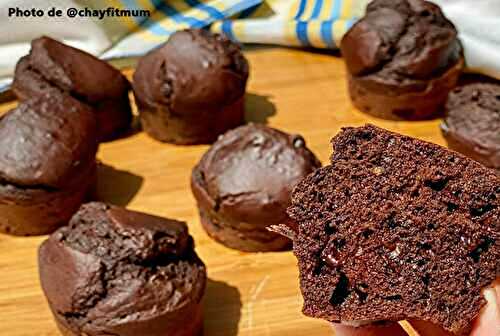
x=247 y=294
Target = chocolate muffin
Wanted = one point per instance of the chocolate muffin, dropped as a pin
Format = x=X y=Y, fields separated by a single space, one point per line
x=112 y=271
x=191 y=89
x=403 y=58
x=472 y=123
x=243 y=183
x=53 y=66
x=47 y=163
x=396 y=228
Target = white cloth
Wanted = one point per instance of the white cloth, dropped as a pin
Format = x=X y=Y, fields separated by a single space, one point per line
x=478 y=24
x=17 y=32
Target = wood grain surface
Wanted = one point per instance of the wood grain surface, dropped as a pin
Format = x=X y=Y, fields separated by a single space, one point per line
x=248 y=294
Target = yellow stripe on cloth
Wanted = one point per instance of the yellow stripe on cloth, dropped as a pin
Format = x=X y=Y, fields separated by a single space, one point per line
x=326 y=11
x=221 y=5
x=314 y=34
x=346 y=12
x=289 y=29
x=239 y=31
x=359 y=8
x=182 y=7
x=127 y=22
x=264 y=10
x=277 y=4
x=293 y=9
x=339 y=30
x=216 y=27
x=142 y=33
x=308 y=11
x=179 y=5
x=146 y=4
x=167 y=23
x=317 y=23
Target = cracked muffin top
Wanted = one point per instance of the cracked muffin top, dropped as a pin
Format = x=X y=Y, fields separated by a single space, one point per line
x=401 y=43
x=52 y=65
x=117 y=271
x=250 y=171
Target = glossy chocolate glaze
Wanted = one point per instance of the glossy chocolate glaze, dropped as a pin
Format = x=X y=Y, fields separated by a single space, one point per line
x=243 y=184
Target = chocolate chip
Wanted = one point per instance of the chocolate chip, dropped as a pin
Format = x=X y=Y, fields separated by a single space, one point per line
x=438 y=184
x=482 y=247
x=451 y=207
x=391 y=222
x=426 y=279
x=478 y=212
x=367 y=233
x=333 y=259
x=432 y=226
x=341 y=291
x=330 y=229
x=361 y=293
x=298 y=141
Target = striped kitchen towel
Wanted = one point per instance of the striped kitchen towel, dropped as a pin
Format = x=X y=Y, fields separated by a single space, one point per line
x=315 y=23
x=307 y=23
x=310 y=23
x=318 y=23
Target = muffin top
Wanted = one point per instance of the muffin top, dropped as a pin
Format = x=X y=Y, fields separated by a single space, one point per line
x=194 y=70
x=53 y=65
x=112 y=269
x=473 y=117
x=250 y=171
x=401 y=42
x=47 y=142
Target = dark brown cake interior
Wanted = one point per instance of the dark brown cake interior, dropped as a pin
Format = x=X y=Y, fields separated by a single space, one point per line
x=396 y=228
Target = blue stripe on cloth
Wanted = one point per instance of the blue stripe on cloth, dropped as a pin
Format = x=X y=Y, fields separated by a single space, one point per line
x=301 y=30
x=157 y=3
x=132 y=4
x=129 y=4
x=337 y=5
x=327 y=33
x=241 y=6
x=212 y=11
x=155 y=28
x=318 y=4
x=179 y=17
x=5 y=86
x=302 y=8
x=350 y=23
x=227 y=29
